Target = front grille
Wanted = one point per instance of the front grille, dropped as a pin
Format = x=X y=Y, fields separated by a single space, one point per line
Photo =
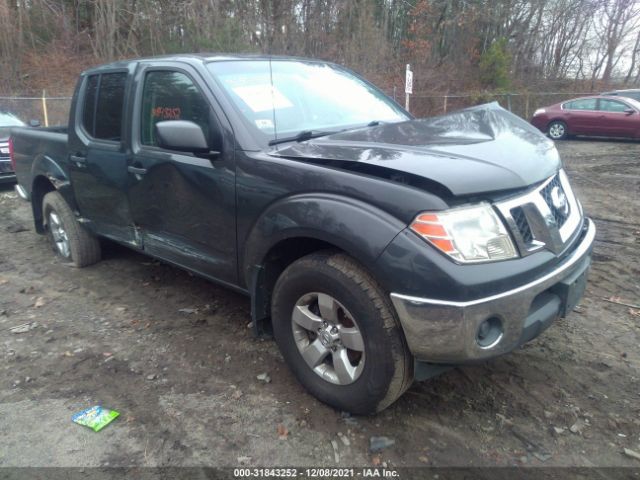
x=5 y=167
x=536 y=222
x=559 y=216
x=522 y=224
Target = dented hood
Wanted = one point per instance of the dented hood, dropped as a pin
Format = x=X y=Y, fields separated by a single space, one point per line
x=475 y=150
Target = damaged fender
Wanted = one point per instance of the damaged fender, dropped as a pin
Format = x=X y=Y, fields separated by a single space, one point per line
x=358 y=228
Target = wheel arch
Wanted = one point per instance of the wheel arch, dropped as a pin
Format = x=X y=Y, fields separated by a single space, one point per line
x=558 y=119
x=47 y=176
x=303 y=224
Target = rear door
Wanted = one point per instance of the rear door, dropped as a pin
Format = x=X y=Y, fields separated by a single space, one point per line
x=615 y=120
x=98 y=156
x=183 y=204
x=582 y=116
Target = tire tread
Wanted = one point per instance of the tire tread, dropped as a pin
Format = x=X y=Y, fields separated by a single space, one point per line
x=85 y=247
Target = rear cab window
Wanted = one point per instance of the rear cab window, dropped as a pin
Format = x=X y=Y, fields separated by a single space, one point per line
x=103 y=106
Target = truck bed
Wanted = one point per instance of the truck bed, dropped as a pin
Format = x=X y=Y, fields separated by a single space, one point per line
x=33 y=145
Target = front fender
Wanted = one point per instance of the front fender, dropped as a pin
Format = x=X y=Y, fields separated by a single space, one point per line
x=358 y=228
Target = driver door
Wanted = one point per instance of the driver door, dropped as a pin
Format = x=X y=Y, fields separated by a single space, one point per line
x=183 y=204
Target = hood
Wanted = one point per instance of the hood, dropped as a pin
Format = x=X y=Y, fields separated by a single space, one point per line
x=475 y=150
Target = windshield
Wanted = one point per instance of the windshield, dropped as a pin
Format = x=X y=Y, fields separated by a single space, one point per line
x=306 y=96
x=9 y=120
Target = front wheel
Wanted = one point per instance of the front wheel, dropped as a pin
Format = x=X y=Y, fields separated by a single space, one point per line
x=557 y=130
x=70 y=240
x=338 y=333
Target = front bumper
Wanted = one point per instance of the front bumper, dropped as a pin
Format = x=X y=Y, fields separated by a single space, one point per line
x=7 y=178
x=440 y=331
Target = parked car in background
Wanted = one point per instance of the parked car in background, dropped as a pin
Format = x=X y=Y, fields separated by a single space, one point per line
x=633 y=93
x=592 y=116
x=7 y=120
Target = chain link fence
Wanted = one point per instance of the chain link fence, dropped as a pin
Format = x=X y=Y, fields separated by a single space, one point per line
x=55 y=110
x=522 y=104
x=49 y=111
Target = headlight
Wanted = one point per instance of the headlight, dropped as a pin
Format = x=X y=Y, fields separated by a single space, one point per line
x=467 y=234
x=539 y=111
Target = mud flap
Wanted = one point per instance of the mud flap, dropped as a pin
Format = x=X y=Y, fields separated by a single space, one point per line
x=260 y=316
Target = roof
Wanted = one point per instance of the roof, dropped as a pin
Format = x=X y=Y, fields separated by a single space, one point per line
x=199 y=58
x=621 y=91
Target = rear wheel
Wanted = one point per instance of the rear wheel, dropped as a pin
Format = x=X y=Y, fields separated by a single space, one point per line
x=557 y=130
x=338 y=333
x=69 y=240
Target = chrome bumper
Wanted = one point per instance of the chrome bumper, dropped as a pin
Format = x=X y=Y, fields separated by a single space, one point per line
x=441 y=331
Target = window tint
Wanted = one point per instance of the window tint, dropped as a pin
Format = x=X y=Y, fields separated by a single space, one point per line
x=612 y=106
x=171 y=96
x=89 y=107
x=586 y=104
x=103 y=106
x=110 y=105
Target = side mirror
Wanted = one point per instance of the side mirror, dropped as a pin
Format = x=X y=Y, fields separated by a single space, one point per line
x=629 y=111
x=34 y=123
x=181 y=135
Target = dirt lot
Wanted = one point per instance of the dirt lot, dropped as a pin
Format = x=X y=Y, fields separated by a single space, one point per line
x=185 y=381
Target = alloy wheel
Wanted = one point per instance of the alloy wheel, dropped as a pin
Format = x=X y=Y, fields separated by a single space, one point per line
x=556 y=131
x=59 y=234
x=328 y=338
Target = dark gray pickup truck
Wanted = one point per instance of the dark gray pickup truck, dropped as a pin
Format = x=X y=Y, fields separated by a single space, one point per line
x=376 y=248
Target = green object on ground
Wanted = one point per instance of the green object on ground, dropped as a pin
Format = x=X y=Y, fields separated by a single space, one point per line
x=96 y=418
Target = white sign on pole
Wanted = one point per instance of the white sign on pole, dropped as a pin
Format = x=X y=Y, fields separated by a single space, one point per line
x=408 y=85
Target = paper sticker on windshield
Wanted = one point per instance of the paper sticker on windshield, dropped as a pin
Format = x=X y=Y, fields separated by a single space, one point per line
x=261 y=98
x=264 y=124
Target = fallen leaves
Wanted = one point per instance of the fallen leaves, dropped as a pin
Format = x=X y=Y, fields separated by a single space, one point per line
x=619 y=301
x=40 y=302
x=283 y=433
x=23 y=328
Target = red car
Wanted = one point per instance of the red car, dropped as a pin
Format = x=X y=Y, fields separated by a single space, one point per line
x=594 y=116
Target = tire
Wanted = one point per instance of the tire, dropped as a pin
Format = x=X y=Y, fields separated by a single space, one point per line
x=70 y=241
x=557 y=130
x=376 y=376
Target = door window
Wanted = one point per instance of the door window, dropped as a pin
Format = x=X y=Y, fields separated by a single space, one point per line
x=612 y=106
x=169 y=95
x=584 y=104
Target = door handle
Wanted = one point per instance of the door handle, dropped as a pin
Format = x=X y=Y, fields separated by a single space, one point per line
x=78 y=159
x=136 y=170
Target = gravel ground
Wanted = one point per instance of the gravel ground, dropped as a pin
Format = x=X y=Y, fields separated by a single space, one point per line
x=118 y=334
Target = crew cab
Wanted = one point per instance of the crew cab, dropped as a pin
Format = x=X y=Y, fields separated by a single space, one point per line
x=376 y=248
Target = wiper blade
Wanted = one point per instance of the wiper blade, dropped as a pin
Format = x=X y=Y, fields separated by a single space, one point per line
x=300 y=137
